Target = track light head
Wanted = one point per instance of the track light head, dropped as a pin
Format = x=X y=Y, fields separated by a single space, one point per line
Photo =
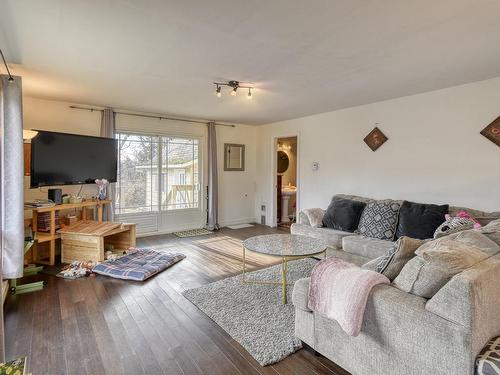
x=234 y=85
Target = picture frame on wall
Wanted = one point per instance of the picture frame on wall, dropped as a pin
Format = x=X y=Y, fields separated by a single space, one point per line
x=234 y=157
x=492 y=131
x=375 y=139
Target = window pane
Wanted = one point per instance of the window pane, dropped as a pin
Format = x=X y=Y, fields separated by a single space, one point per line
x=137 y=186
x=179 y=173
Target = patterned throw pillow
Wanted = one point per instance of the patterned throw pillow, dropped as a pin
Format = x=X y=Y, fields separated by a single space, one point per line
x=379 y=219
x=453 y=225
x=488 y=361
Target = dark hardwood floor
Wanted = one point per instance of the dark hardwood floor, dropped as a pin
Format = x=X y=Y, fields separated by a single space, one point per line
x=99 y=325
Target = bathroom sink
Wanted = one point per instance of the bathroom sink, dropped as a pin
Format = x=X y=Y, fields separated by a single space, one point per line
x=288 y=190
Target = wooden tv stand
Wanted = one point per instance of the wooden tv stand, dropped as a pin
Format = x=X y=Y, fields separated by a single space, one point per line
x=86 y=240
x=52 y=235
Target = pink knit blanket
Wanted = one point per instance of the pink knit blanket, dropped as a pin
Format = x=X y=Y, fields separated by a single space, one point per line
x=339 y=291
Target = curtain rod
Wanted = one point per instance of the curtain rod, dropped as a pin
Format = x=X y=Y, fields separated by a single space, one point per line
x=160 y=117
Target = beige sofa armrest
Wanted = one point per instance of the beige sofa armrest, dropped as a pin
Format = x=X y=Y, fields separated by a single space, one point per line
x=472 y=299
x=303 y=219
x=300 y=294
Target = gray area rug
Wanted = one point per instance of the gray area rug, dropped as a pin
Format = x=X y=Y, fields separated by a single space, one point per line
x=253 y=314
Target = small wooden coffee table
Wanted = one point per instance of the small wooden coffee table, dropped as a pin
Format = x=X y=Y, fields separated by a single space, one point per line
x=285 y=246
x=85 y=240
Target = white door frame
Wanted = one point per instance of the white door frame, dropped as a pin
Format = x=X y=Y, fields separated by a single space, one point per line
x=272 y=215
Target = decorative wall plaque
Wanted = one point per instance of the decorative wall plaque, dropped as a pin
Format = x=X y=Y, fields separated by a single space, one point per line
x=492 y=132
x=375 y=139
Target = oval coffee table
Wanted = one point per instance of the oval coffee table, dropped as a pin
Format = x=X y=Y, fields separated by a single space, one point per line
x=285 y=246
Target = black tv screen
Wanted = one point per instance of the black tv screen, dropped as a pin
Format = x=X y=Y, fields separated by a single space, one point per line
x=68 y=159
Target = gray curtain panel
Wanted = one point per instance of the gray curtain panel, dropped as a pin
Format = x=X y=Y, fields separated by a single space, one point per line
x=108 y=129
x=12 y=163
x=213 y=191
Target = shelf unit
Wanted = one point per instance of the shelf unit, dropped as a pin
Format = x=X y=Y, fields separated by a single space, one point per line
x=52 y=236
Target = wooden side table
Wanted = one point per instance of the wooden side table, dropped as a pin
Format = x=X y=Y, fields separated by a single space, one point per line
x=86 y=240
x=52 y=236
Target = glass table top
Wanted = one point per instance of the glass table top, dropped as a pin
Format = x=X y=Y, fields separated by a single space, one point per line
x=285 y=245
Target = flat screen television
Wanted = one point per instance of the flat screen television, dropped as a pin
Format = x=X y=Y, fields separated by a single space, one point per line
x=70 y=159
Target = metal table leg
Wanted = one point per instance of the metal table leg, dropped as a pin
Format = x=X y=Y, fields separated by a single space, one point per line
x=284 y=269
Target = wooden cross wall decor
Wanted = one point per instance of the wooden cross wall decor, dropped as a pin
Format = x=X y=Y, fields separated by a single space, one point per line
x=492 y=131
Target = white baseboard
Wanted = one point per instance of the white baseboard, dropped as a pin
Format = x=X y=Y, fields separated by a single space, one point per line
x=244 y=220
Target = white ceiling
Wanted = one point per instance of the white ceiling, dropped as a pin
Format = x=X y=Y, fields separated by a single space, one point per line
x=304 y=57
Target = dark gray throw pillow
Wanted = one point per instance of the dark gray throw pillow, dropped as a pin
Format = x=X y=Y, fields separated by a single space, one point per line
x=343 y=214
x=379 y=219
x=418 y=220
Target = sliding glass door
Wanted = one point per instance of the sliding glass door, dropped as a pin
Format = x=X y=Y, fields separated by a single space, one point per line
x=158 y=182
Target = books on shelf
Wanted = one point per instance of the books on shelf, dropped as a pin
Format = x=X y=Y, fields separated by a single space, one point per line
x=43 y=221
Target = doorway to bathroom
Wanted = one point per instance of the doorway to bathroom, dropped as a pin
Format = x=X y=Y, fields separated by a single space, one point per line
x=286 y=181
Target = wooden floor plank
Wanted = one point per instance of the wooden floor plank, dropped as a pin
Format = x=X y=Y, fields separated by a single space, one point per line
x=100 y=325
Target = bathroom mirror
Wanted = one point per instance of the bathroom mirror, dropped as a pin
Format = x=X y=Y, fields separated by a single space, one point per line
x=283 y=161
x=234 y=157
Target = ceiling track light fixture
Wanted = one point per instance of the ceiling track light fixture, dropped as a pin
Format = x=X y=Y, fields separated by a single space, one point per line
x=234 y=85
x=11 y=79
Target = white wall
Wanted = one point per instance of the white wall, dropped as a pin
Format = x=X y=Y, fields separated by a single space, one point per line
x=434 y=153
x=236 y=189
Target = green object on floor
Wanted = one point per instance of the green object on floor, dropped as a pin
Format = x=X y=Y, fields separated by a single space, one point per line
x=29 y=270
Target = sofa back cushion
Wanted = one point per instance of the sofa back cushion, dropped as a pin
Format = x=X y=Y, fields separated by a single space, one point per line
x=492 y=231
x=419 y=220
x=367 y=247
x=439 y=260
x=379 y=219
x=482 y=217
x=343 y=214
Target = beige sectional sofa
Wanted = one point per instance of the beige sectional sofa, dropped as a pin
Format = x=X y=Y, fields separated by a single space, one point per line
x=403 y=333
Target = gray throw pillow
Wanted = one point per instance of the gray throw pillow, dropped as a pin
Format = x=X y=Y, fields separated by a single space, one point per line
x=435 y=264
x=492 y=231
x=475 y=238
x=395 y=259
x=379 y=219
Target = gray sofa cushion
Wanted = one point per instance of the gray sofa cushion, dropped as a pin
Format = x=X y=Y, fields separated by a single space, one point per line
x=379 y=219
x=370 y=248
x=476 y=238
x=332 y=237
x=435 y=264
x=348 y=257
x=492 y=231
x=395 y=259
x=343 y=214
